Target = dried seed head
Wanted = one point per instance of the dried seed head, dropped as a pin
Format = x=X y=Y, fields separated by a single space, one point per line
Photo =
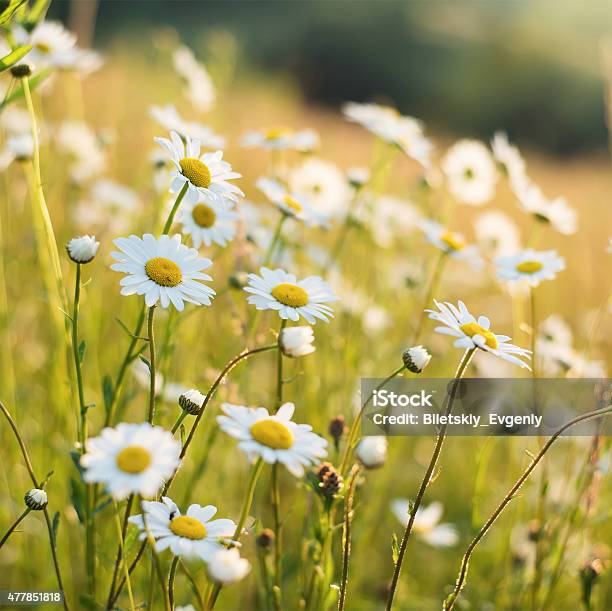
x=330 y=481
x=337 y=428
x=265 y=539
x=36 y=499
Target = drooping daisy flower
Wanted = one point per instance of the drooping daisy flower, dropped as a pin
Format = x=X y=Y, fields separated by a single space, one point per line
x=475 y=333
x=323 y=185
x=170 y=119
x=274 y=437
x=226 y=566
x=281 y=291
x=556 y=212
x=497 y=233
x=530 y=266
x=470 y=172
x=162 y=269
x=509 y=159
x=82 y=249
x=36 y=499
x=131 y=459
x=207 y=176
x=371 y=451
x=426 y=523
x=416 y=359
x=296 y=341
x=282 y=138
x=200 y=88
x=449 y=242
x=291 y=204
x=208 y=222
x=193 y=535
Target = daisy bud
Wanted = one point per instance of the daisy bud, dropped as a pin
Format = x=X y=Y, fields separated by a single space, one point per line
x=36 y=499
x=192 y=401
x=226 y=566
x=337 y=428
x=371 y=452
x=296 y=341
x=82 y=249
x=22 y=70
x=265 y=539
x=416 y=359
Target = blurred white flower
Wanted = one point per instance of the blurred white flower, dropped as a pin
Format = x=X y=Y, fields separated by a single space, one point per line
x=282 y=138
x=358 y=176
x=50 y=40
x=170 y=119
x=296 y=341
x=557 y=212
x=371 y=451
x=470 y=172
x=19 y=147
x=449 y=242
x=510 y=159
x=390 y=218
x=226 y=566
x=426 y=523
x=200 y=88
x=554 y=345
x=497 y=233
x=375 y=319
x=84 y=148
x=530 y=266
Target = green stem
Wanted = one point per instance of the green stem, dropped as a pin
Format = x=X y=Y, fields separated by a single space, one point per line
x=119 y=555
x=124 y=562
x=15 y=524
x=273 y=243
x=275 y=498
x=171 y=577
x=431 y=291
x=175 y=207
x=151 y=336
x=426 y=479
x=346 y=536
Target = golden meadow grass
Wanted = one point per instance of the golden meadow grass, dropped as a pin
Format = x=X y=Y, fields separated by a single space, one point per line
x=322 y=529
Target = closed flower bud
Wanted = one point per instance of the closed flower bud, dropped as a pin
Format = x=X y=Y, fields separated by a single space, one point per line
x=22 y=70
x=36 y=499
x=82 y=249
x=337 y=428
x=416 y=359
x=371 y=452
x=192 y=401
x=296 y=341
x=265 y=539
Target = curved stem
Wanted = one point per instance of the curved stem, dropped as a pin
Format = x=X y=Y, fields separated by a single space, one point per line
x=426 y=479
x=151 y=336
x=119 y=555
x=175 y=207
x=171 y=577
x=15 y=524
x=450 y=601
x=124 y=563
x=346 y=536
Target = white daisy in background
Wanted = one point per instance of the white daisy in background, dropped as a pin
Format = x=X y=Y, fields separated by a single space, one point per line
x=296 y=341
x=554 y=345
x=273 y=437
x=208 y=222
x=50 y=40
x=207 y=176
x=193 y=535
x=84 y=148
x=358 y=176
x=426 y=523
x=581 y=367
x=509 y=159
x=530 y=266
x=170 y=119
x=19 y=147
x=291 y=204
x=282 y=138
x=281 y=291
x=83 y=61
x=390 y=218
x=470 y=172
x=200 y=88
x=226 y=566
x=556 y=212
x=163 y=270
x=497 y=233
x=375 y=319
x=323 y=184
x=475 y=333
x=371 y=451
x=15 y=120
x=131 y=459
x=450 y=242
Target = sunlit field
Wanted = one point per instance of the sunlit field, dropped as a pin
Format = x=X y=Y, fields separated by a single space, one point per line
x=383 y=215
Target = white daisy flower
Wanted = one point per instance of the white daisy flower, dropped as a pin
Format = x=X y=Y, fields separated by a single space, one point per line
x=509 y=159
x=208 y=222
x=282 y=138
x=475 y=333
x=83 y=249
x=170 y=119
x=554 y=345
x=497 y=233
x=296 y=341
x=50 y=40
x=450 y=242
x=200 y=88
x=193 y=535
x=426 y=523
x=162 y=269
x=358 y=176
x=84 y=148
x=226 y=566
x=470 y=172
x=557 y=212
x=291 y=204
x=281 y=291
x=390 y=218
x=273 y=437
x=207 y=176
x=323 y=185
x=19 y=147
x=530 y=266
x=83 y=61
x=131 y=459
x=371 y=451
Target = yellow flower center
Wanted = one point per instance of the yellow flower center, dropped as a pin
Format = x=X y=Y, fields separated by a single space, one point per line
x=275 y=133
x=203 y=215
x=195 y=171
x=133 y=459
x=472 y=328
x=452 y=240
x=290 y=295
x=163 y=271
x=273 y=434
x=43 y=47
x=529 y=267
x=292 y=203
x=188 y=527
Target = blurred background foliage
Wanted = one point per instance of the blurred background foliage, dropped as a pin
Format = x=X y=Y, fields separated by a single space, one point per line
x=439 y=61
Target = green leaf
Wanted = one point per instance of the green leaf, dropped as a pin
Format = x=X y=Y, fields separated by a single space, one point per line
x=82 y=347
x=14 y=56
x=8 y=8
x=394 y=549
x=107 y=392
x=55 y=527
x=18 y=93
x=38 y=11
x=76 y=495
